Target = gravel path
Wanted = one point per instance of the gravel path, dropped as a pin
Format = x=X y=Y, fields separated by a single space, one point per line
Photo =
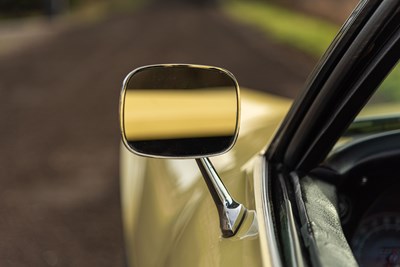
x=59 y=188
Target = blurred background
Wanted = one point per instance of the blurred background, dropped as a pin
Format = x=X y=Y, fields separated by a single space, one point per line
x=62 y=63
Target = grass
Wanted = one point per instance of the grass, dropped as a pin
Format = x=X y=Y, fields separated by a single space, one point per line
x=390 y=88
x=387 y=96
x=307 y=34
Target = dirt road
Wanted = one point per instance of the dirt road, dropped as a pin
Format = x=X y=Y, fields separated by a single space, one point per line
x=59 y=139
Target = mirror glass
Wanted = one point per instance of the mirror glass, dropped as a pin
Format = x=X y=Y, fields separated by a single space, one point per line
x=179 y=111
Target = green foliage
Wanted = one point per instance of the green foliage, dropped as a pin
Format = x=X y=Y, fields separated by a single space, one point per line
x=389 y=91
x=310 y=35
x=391 y=86
x=74 y=3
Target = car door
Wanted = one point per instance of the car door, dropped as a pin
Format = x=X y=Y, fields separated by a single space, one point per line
x=302 y=225
x=170 y=218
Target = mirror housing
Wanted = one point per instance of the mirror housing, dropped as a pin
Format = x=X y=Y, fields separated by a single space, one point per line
x=179 y=111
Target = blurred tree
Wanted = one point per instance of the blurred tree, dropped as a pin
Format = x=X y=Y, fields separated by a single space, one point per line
x=54 y=7
x=190 y=2
x=20 y=8
x=334 y=10
x=12 y=8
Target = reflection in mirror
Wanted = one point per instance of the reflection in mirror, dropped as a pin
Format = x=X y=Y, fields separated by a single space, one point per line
x=179 y=111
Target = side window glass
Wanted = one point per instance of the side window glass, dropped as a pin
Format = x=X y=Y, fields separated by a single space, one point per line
x=382 y=112
x=386 y=99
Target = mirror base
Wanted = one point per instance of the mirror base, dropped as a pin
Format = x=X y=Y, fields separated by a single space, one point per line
x=231 y=213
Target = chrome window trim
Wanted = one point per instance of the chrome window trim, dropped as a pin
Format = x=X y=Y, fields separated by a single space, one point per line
x=269 y=247
x=295 y=256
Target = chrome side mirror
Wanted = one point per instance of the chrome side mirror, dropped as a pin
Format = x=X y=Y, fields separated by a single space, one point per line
x=179 y=111
x=185 y=111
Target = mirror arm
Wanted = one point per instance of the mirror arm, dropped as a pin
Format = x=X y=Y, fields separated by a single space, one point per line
x=231 y=213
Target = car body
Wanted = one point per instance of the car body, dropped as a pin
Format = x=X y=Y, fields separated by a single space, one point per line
x=279 y=168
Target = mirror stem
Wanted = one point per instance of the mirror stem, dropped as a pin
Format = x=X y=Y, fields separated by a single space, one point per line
x=230 y=212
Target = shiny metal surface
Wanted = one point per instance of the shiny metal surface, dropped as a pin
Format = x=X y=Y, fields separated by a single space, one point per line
x=264 y=209
x=187 y=111
x=231 y=213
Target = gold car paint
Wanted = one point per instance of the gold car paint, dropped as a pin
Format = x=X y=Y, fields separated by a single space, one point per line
x=169 y=217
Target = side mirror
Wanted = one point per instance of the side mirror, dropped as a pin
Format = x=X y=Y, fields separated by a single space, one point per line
x=185 y=111
x=179 y=111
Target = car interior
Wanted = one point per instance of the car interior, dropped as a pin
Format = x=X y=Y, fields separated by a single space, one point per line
x=347 y=207
x=363 y=168
x=364 y=172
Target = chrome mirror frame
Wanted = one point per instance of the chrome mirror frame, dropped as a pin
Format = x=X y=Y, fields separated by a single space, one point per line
x=122 y=107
